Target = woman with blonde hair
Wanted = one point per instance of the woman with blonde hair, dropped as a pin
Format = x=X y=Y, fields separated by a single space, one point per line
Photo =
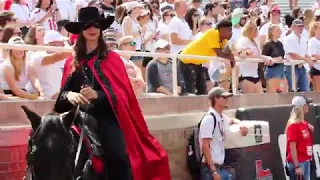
x=274 y=74
x=15 y=74
x=299 y=143
x=314 y=52
x=248 y=46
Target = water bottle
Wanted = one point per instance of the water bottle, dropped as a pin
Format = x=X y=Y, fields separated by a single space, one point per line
x=190 y=151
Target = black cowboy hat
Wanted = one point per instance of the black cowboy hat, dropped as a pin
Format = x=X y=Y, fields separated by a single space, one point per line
x=88 y=15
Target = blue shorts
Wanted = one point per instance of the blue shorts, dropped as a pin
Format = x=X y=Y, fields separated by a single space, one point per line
x=274 y=72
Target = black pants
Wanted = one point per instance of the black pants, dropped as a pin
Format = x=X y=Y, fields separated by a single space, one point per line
x=116 y=160
x=194 y=78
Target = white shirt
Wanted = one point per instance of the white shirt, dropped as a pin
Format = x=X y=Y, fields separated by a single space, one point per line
x=49 y=24
x=314 y=48
x=294 y=44
x=248 y=69
x=23 y=79
x=236 y=34
x=217 y=143
x=265 y=28
x=21 y=12
x=151 y=31
x=135 y=28
x=163 y=29
x=49 y=76
x=181 y=27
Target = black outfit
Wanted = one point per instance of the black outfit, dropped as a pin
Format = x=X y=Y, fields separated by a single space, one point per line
x=195 y=77
x=273 y=49
x=116 y=160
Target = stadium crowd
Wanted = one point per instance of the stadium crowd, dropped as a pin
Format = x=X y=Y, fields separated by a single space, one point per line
x=217 y=28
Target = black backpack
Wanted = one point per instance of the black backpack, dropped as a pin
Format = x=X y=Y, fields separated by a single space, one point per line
x=194 y=155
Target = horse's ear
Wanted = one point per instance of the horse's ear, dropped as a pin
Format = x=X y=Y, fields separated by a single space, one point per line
x=69 y=118
x=34 y=118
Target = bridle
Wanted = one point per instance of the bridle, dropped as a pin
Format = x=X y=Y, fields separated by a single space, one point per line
x=32 y=148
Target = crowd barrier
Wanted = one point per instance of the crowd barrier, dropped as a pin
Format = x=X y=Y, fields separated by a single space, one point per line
x=277 y=117
x=174 y=58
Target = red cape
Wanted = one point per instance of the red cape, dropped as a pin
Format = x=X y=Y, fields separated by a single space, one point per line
x=148 y=159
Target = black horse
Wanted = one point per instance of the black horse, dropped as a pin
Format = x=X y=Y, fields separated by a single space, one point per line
x=53 y=146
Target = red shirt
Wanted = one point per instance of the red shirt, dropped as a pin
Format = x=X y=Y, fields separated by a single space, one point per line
x=299 y=133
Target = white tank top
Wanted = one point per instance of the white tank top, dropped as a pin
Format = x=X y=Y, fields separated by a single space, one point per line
x=136 y=28
x=23 y=80
x=151 y=30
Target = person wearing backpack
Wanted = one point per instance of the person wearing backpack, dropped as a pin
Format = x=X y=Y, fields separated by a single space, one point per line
x=211 y=136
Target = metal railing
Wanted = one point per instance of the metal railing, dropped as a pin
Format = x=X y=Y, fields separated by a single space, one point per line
x=174 y=58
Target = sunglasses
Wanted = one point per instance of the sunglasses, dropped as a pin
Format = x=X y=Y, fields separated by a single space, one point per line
x=207 y=23
x=196 y=15
x=89 y=25
x=171 y=15
x=132 y=43
x=11 y=20
x=155 y=7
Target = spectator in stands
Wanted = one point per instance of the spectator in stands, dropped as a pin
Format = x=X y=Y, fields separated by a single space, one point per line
x=15 y=74
x=249 y=47
x=118 y=17
x=288 y=21
x=238 y=21
x=35 y=35
x=8 y=32
x=274 y=19
x=213 y=11
x=274 y=74
x=296 y=12
x=204 y=26
x=299 y=143
x=47 y=67
x=107 y=8
x=252 y=4
x=265 y=7
x=211 y=136
x=193 y=18
x=150 y=36
x=131 y=27
x=163 y=31
x=110 y=40
x=295 y=47
x=212 y=43
x=155 y=9
x=196 y=4
x=21 y=14
x=47 y=14
x=314 y=52
x=127 y=43
x=7 y=18
x=159 y=72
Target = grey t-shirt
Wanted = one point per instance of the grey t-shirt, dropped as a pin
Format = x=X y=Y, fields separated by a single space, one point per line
x=160 y=74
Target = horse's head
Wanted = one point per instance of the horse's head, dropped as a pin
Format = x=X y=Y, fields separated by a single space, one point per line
x=51 y=145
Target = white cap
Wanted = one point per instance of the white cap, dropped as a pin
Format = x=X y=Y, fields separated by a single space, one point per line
x=161 y=43
x=317 y=12
x=132 y=4
x=238 y=12
x=15 y=40
x=52 y=36
x=300 y=101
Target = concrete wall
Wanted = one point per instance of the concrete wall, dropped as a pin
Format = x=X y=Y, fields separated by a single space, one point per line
x=170 y=119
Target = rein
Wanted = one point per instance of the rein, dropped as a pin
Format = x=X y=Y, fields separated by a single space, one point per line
x=33 y=148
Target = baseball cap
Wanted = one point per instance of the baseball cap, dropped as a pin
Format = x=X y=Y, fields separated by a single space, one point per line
x=297 y=22
x=300 y=101
x=218 y=92
x=236 y=16
x=317 y=12
x=161 y=43
x=51 y=36
x=15 y=40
